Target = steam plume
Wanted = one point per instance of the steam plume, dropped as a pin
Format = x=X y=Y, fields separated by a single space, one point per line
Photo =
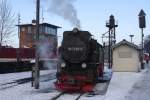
x=65 y=9
x=45 y=50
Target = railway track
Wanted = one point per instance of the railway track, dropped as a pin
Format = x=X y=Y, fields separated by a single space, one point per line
x=57 y=96
x=79 y=96
x=14 y=83
x=63 y=93
x=25 y=80
x=101 y=89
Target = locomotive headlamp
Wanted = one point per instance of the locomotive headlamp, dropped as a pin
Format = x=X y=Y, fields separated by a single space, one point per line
x=63 y=65
x=75 y=30
x=83 y=65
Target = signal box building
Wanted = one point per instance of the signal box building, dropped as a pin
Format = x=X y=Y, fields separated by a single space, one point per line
x=47 y=36
x=126 y=57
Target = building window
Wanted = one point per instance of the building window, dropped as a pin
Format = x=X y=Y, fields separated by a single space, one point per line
x=22 y=29
x=125 y=54
x=53 y=31
x=46 y=29
x=29 y=29
x=41 y=29
x=34 y=30
x=49 y=30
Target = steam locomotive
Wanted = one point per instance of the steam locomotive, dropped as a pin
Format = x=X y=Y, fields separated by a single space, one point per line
x=80 y=63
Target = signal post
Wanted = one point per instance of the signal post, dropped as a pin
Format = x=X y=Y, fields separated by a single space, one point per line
x=142 y=25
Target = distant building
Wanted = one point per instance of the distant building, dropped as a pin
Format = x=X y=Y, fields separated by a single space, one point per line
x=47 y=36
x=126 y=57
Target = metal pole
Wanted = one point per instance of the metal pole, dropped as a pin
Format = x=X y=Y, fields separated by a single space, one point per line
x=114 y=35
x=142 y=64
x=18 y=50
x=37 y=72
x=111 y=44
x=131 y=37
x=19 y=30
x=109 y=50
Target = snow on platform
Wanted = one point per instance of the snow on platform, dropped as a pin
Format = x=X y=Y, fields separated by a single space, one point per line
x=122 y=82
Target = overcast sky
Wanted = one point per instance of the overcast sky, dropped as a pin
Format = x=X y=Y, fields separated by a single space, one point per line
x=92 y=15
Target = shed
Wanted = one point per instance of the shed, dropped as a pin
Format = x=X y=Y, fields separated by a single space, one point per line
x=126 y=57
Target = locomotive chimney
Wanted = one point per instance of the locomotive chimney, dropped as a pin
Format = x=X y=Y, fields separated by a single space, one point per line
x=75 y=30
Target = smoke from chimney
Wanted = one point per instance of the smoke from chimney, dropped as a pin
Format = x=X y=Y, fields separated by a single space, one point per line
x=65 y=9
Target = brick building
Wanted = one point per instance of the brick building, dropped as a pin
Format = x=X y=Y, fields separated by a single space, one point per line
x=47 y=36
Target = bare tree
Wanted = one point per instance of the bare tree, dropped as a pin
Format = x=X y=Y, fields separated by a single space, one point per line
x=6 y=21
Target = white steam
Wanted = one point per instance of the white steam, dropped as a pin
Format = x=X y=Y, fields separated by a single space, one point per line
x=65 y=9
x=46 y=53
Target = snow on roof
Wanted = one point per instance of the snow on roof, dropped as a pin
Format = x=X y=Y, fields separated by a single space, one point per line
x=45 y=24
x=125 y=42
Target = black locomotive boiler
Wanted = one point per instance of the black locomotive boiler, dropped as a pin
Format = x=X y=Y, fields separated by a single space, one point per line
x=81 y=62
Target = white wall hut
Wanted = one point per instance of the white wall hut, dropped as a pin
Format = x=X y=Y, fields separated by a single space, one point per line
x=126 y=57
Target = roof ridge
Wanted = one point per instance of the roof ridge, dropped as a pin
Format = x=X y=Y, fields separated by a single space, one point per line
x=127 y=43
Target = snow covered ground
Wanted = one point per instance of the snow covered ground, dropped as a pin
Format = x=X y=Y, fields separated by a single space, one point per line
x=141 y=89
x=120 y=88
x=24 y=91
x=4 y=78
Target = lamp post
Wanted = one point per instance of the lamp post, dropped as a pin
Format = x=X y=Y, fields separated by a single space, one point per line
x=131 y=36
x=142 y=25
x=37 y=70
